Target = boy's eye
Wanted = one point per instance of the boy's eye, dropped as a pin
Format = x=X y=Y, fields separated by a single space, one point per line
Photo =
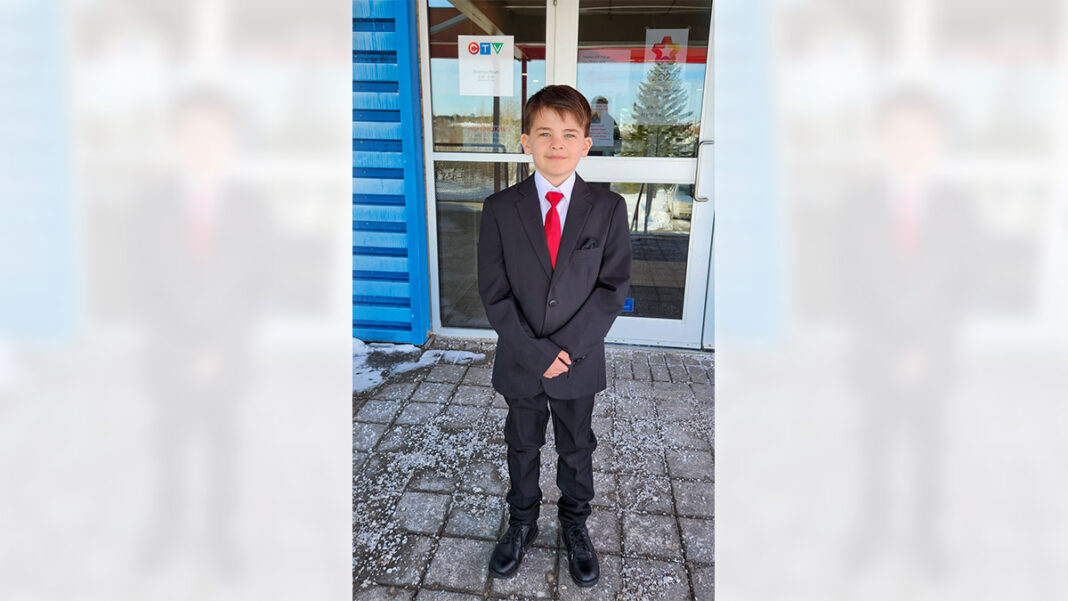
x=543 y=134
x=570 y=135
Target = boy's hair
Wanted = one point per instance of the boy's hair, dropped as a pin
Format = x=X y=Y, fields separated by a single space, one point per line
x=563 y=100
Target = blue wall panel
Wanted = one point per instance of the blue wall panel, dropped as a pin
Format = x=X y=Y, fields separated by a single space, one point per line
x=393 y=160
x=40 y=296
x=389 y=187
x=390 y=286
x=384 y=288
x=374 y=71
x=382 y=240
x=379 y=213
x=376 y=100
x=377 y=130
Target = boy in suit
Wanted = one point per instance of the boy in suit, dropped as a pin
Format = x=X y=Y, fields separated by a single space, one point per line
x=553 y=270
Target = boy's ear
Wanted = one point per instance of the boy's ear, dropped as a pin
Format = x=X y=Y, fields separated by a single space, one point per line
x=587 y=144
x=525 y=141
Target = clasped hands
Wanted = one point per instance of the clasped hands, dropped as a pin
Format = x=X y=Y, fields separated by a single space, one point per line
x=559 y=366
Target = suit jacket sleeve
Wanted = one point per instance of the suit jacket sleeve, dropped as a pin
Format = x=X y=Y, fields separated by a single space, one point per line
x=535 y=354
x=590 y=324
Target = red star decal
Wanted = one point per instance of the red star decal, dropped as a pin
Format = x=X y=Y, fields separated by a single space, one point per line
x=667 y=45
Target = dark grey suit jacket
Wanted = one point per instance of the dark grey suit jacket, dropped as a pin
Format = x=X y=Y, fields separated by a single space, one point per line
x=536 y=310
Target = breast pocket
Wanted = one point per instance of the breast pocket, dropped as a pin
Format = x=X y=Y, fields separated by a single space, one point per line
x=586 y=254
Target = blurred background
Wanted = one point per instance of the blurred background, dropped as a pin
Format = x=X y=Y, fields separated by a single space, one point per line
x=890 y=277
x=174 y=346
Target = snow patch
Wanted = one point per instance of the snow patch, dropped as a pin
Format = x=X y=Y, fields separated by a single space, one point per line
x=387 y=348
x=368 y=372
x=435 y=356
x=364 y=377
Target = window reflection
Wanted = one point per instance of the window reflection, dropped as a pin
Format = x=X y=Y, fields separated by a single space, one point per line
x=482 y=123
x=659 y=216
x=644 y=65
x=461 y=187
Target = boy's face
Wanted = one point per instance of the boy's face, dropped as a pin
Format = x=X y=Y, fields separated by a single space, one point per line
x=557 y=141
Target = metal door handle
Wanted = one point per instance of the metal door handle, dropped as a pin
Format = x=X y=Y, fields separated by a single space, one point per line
x=698 y=196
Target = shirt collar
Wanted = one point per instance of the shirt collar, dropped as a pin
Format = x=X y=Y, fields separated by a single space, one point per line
x=544 y=186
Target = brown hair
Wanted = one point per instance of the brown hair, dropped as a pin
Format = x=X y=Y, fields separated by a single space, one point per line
x=563 y=100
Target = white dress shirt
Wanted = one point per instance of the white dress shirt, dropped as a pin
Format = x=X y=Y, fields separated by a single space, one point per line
x=564 y=188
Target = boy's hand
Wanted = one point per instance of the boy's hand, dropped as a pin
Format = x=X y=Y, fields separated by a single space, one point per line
x=563 y=360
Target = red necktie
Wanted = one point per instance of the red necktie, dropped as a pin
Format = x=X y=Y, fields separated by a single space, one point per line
x=552 y=225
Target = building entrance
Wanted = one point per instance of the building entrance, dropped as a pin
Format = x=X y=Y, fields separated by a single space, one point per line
x=646 y=70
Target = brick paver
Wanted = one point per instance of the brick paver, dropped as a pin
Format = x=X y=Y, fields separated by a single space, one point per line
x=429 y=480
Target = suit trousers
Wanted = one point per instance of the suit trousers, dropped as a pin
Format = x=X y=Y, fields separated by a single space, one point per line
x=524 y=431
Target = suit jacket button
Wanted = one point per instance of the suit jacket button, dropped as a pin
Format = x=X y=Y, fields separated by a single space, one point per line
x=552 y=303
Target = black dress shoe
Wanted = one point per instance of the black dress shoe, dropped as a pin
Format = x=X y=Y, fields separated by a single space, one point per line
x=581 y=558
x=508 y=553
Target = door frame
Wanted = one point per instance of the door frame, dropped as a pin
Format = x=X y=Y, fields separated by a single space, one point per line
x=561 y=67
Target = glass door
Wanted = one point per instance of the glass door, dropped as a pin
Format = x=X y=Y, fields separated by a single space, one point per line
x=646 y=71
x=472 y=137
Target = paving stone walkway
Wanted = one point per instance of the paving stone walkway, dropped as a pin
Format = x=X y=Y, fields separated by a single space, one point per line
x=429 y=479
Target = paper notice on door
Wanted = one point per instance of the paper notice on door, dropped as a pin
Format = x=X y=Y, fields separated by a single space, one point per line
x=486 y=65
x=666 y=45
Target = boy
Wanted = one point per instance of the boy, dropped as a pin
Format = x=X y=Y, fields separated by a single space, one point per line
x=553 y=270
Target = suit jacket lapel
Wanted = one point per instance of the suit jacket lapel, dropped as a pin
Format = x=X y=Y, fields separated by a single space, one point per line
x=578 y=210
x=529 y=207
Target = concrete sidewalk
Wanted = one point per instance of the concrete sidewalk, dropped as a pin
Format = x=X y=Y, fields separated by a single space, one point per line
x=429 y=479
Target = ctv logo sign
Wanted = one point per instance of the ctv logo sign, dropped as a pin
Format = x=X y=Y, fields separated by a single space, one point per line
x=486 y=65
x=485 y=47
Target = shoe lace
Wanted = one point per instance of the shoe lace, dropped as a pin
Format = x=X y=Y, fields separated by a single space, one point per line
x=578 y=540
